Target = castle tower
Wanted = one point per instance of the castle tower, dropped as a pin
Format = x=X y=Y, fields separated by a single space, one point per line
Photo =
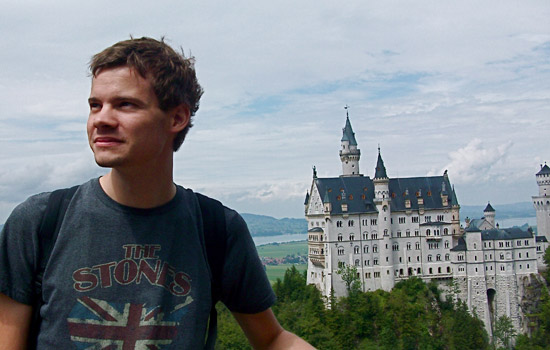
x=349 y=153
x=542 y=202
x=382 y=200
x=489 y=214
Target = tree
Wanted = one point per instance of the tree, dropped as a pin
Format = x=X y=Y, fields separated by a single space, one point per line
x=504 y=331
x=348 y=273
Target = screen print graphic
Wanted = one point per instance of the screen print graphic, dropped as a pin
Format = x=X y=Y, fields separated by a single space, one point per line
x=98 y=324
x=103 y=324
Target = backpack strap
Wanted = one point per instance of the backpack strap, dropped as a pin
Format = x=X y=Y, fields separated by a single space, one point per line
x=47 y=235
x=215 y=237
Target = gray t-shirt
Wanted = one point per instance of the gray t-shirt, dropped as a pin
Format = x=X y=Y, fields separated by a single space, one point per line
x=127 y=278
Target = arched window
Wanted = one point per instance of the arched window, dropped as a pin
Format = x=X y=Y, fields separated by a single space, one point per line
x=356 y=250
x=340 y=251
x=428 y=232
x=430 y=258
x=375 y=248
x=340 y=237
x=366 y=249
x=351 y=237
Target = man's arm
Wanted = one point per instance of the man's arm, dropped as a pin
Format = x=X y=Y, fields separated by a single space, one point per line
x=265 y=333
x=14 y=323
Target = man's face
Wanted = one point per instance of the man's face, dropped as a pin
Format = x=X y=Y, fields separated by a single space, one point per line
x=126 y=127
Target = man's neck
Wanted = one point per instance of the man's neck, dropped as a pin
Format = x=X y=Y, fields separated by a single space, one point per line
x=144 y=190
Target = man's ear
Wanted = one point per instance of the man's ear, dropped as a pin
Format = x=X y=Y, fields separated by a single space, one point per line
x=181 y=116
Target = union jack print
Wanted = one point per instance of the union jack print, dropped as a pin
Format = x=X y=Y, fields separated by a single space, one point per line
x=98 y=324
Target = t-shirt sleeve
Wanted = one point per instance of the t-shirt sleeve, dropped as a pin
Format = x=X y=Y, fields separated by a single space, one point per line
x=245 y=287
x=18 y=249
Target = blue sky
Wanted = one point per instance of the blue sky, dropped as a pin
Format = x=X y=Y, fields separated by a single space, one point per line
x=463 y=86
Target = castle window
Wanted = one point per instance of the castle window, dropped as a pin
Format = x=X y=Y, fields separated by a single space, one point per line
x=415 y=219
x=431 y=271
x=351 y=237
x=341 y=264
x=448 y=269
x=395 y=247
x=402 y=220
x=375 y=248
x=440 y=217
x=428 y=232
x=340 y=237
x=367 y=275
x=367 y=262
x=447 y=257
x=526 y=242
x=341 y=251
x=338 y=223
x=338 y=198
x=356 y=250
x=429 y=258
x=350 y=223
x=373 y=221
x=377 y=275
x=445 y=231
x=438 y=257
x=408 y=233
x=518 y=243
x=417 y=245
x=409 y=246
x=447 y=244
x=357 y=263
x=366 y=249
x=427 y=218
x=398 y=234
x=374 y=236
x=439 y=270
x=416 y=233
x=385 y=233
x=375 y=262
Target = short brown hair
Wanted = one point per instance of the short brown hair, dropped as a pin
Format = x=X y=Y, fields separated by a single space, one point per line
x=172 y=75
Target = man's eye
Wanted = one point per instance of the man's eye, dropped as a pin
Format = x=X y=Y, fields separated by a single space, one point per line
x=126 y=104
x=95 y=106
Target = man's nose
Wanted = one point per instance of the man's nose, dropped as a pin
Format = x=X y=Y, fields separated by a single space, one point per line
x=106 y=117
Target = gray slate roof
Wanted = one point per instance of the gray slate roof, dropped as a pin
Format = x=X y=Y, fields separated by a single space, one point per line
x=544 y=170
x=489 y=208
x=348 y=134
x=380 y=171
x=359 y=191
x=540 y=239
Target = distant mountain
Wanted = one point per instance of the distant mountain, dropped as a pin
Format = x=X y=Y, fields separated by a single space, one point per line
x=503 y=211
x=262 y=225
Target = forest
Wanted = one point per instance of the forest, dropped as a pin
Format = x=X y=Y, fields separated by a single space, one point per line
x=411 y=316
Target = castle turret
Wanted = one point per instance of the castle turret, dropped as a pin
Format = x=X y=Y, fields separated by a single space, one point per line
x=542 y=202
x=489 y=214
x=349 y=153
x=382 y=200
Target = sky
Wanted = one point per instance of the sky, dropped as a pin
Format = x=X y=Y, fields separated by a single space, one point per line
x=462 y=86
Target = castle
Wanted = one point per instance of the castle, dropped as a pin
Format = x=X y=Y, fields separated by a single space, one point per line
x=394 y=228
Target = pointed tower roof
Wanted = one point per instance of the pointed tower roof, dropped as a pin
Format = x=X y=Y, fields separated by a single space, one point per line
x=348 y=134
x=307 y=198
x=544 y=170
x=380 y=172
x=488 y=208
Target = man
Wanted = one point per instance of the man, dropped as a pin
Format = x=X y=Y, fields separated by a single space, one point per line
x=128 y=269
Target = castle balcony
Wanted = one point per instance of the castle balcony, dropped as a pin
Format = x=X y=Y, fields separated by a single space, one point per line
x=317 y=260
x=434 y=238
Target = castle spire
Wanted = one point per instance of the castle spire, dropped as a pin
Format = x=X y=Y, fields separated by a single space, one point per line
x=380 y=172
x=349 y=153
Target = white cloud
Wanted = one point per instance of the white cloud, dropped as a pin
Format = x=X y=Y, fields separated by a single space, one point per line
x=476 y=162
